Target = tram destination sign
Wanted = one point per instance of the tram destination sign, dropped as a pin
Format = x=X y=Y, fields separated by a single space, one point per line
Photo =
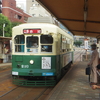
x=86 y=44
x=31 y=31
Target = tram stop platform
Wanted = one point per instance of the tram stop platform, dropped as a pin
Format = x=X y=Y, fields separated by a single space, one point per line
x=74 y=85
x=5 y=66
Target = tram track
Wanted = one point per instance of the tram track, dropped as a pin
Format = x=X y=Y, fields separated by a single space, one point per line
x=5 y=75
x=26 y=93
x=8 y=92
x=19 y=93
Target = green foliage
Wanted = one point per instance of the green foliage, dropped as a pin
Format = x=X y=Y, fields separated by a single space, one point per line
x=77 y=43
x=15 y=24
x=7 y=28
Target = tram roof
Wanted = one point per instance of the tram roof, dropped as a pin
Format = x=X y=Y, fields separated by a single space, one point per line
x=81 y=17
x=46 y=28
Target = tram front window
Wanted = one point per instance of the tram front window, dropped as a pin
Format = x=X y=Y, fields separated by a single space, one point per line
x=46 y=43
x=46 y=39
x=19 y=41
x=32 y=44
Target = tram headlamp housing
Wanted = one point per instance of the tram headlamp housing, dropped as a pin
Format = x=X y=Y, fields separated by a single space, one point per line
x=31 y=61
x=18 y=66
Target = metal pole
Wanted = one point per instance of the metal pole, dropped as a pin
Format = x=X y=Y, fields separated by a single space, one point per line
x=86 y=54
x=3 y=29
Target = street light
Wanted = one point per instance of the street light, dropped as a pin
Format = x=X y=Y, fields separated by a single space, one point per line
x=3 y=29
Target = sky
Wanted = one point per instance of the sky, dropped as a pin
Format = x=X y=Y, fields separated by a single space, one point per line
x=22 y=4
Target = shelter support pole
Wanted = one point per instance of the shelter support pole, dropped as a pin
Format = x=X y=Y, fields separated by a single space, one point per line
x=99 y=47
x=86 y=55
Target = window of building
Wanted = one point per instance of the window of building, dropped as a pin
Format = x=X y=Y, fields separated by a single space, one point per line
x=11 y=4
x=33 y=14
x=25 y=18
x=15 y=16
x=0 y=1
x=19 y=17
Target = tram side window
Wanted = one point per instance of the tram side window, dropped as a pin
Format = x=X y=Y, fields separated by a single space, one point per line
x=32 y=44
x=46 y=39
x=46 y=48
x=64 y=42
x=19 y=41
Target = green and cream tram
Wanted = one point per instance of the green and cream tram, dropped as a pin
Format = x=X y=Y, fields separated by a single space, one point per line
x=40 y=52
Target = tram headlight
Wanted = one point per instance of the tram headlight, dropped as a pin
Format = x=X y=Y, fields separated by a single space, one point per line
x=31 y=61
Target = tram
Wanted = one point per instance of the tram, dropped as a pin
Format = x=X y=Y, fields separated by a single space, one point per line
x=40 y=54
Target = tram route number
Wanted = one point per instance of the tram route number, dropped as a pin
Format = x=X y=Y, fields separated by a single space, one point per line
x=24 y=66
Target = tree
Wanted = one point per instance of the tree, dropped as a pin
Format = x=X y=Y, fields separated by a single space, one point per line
x=77 y=43
x=15 y=24
x=6 y=25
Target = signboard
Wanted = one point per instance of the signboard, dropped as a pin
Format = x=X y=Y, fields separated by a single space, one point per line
x=67 y=58
x=30 y=31
x=46 y=62
x=48 y=74
x=86 y=44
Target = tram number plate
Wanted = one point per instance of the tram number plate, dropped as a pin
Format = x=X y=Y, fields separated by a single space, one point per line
x=14 y=73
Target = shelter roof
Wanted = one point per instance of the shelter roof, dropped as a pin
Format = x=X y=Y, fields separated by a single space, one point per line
x=5 y=38
x=81 y=17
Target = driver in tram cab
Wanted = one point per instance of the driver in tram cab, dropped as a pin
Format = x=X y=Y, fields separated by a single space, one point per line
x=33 y=47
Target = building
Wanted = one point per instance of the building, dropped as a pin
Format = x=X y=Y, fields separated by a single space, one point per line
x=14 y=14
x=35 y=9
x=21 y=4
x=91 y=40
x=0 y=6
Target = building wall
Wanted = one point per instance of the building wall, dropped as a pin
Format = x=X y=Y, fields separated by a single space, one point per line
x=29 y=4
x=35 y=9
x=13 y=13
